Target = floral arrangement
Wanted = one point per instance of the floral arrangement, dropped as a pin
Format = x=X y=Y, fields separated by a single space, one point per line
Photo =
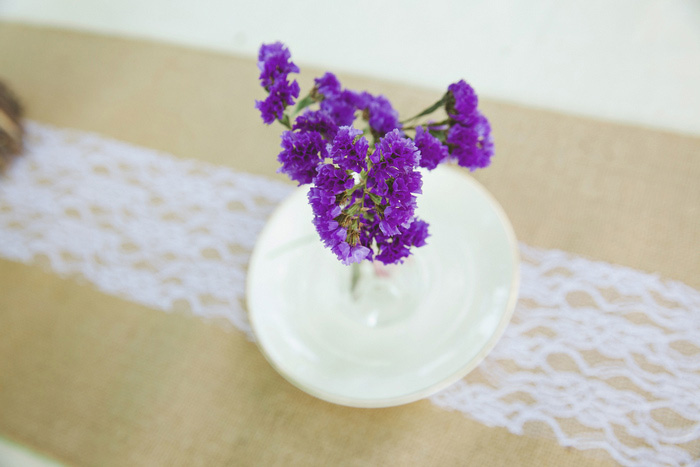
x=364 y=182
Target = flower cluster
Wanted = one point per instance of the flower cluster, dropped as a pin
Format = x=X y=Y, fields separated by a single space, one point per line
x=275 y=67
x=469 y=136
x=364 y=182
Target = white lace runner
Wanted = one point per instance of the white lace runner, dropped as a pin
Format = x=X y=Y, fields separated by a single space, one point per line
x=601 y=357
x=168 y=233
x=598 y=355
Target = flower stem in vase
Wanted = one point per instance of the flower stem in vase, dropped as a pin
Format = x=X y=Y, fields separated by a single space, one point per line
x=380 y=294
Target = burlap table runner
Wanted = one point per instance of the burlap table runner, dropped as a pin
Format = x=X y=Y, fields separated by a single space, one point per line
x=94 y=380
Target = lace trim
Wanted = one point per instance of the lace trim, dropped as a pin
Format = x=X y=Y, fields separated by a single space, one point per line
x=135 y=222
x=599 y=356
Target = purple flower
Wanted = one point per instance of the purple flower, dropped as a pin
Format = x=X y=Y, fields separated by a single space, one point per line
x=275 y=66
x=317 y=120
x=432 y=151
x=301 y=153
x=350 y=254
x=341 y=108
x=281 y=95
x=329 y=183
x=388 y=206
x=393 y=155
x=274 y=63
x=337 y=102
x=462 y=102
x=333 y=179
x=394 y=249
x=382 y=116
x=401 y=203
x=348 y=151
x=472 y=145
x=328 y=85
x=364 y=202
x=394 y=178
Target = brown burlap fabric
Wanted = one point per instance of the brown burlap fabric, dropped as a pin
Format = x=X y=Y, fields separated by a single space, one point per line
x=91 y=379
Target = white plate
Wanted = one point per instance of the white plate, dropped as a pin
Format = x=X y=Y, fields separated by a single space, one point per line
x=426 y=327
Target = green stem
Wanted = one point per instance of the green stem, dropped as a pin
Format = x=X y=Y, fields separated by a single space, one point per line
x=302 y=104
x=285 y=121
x=354 y=279
x=429 y=110
x=413 y=127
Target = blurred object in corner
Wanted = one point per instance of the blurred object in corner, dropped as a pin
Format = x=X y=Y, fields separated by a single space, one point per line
x=11 y=131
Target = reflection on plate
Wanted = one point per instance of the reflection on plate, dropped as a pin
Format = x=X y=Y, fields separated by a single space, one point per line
x=406 y=337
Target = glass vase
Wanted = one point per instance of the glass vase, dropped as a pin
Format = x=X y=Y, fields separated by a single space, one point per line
x=372 y=335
